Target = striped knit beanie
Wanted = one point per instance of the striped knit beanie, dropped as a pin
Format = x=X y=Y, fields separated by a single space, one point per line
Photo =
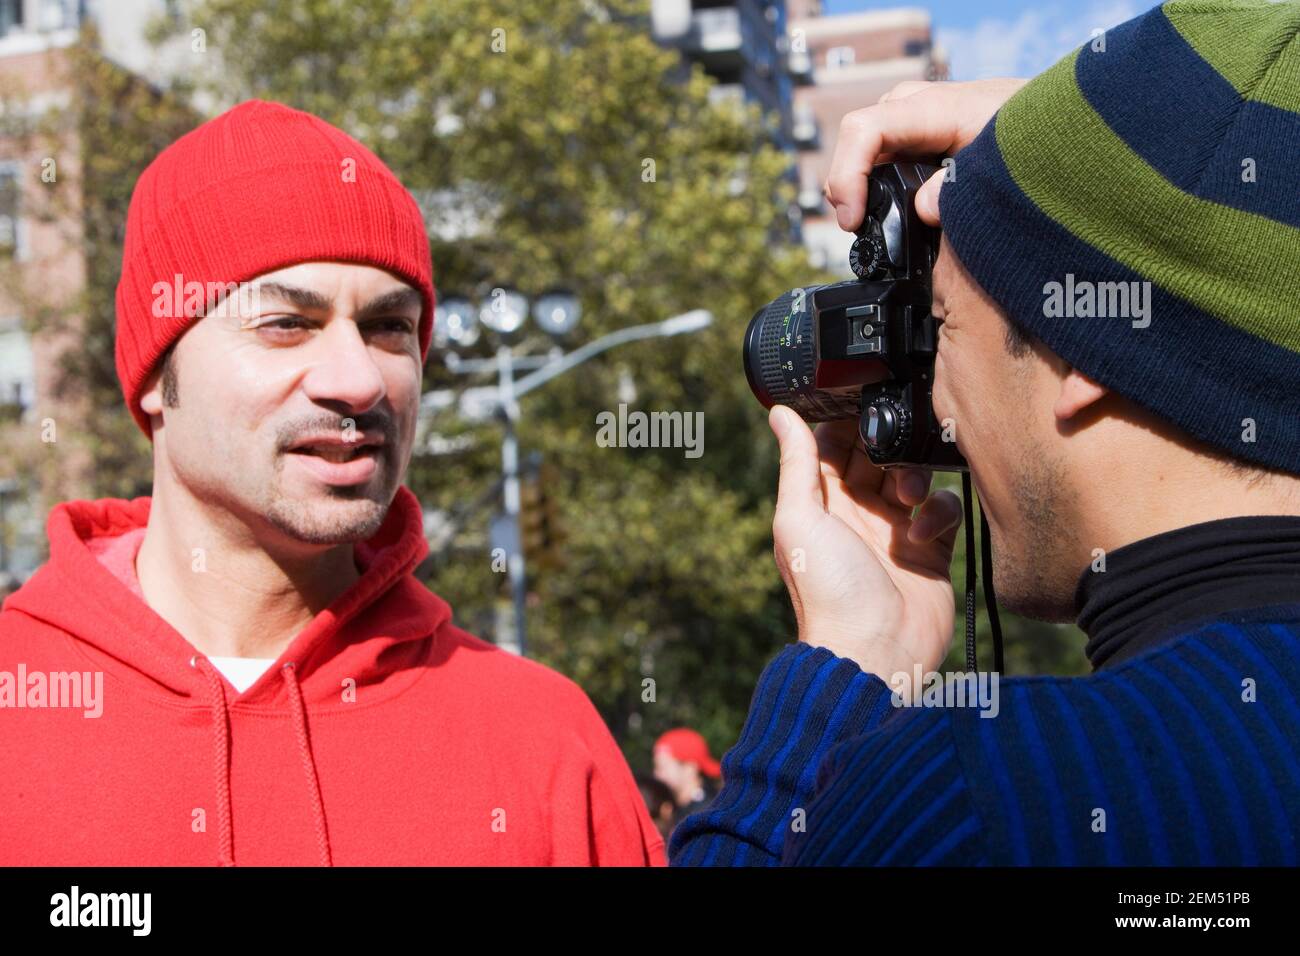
x=1137 y=208
x=258 y=188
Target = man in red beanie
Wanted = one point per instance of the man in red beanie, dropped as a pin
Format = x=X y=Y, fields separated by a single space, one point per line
x=684 y=764
x=242 y=667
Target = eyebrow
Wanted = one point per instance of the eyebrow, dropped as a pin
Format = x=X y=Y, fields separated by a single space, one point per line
x=385 y=304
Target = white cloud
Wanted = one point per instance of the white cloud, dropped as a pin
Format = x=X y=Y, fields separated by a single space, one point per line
x=1033 y=41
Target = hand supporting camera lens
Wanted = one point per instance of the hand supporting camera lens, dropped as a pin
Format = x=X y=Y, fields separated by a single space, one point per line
x=869 y=581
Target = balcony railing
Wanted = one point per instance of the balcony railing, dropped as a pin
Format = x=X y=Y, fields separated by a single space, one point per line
x=732 y=36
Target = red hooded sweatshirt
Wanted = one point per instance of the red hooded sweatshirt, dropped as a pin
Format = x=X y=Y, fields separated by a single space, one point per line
x=384 y=734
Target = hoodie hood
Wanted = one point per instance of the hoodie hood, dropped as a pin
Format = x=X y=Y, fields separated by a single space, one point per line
x=358 y=636
x=373 y=631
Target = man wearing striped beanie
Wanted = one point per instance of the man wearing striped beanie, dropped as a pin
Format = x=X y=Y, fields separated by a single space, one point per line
x=1119 y=290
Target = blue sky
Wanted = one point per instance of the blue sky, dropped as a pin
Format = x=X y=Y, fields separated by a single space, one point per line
x=1008 y=37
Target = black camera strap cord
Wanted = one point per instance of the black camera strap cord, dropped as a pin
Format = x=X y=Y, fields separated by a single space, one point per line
x=986 y=559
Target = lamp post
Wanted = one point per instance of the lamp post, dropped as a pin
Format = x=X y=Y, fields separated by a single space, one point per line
x=556 y=313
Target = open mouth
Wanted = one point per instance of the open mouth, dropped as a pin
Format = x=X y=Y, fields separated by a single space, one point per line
x=336 y=453
x=338 y=464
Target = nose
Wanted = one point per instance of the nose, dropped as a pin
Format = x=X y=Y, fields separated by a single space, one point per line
x=344 y=370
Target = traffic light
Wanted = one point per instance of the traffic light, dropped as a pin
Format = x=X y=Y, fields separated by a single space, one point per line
x=553 y=534
x=531 y=522
x=543 y=535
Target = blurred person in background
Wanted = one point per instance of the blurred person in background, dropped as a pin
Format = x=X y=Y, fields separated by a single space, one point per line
x=684 y=764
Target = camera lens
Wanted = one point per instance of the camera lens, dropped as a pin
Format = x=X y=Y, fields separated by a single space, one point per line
x=781 y=363
x=773 y=323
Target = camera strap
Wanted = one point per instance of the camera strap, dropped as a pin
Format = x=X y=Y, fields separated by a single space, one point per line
x=986 y=559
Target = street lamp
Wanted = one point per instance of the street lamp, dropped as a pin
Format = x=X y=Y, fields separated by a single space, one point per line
x=556 y=313
x=505 y=312
x=455 y=322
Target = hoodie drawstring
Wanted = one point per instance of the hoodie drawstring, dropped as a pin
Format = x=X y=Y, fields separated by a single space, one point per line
x=221 y=742
x=308 y=763
x=221 y=746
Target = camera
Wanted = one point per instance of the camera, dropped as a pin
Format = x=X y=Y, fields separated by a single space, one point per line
x=864 y=348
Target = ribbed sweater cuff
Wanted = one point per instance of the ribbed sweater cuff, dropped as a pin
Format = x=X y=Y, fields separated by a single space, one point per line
x=807 y=701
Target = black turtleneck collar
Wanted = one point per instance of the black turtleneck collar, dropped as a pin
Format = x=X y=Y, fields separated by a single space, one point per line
x=1153 y=588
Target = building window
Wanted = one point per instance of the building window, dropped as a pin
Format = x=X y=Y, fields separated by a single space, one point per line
x=11 y=16
x=10 y=212
x=57 y=15
x=17 y=371
x=839 y=56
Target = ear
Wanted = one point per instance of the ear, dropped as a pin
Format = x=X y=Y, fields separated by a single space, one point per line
x=1078 y=391
x=151 y=397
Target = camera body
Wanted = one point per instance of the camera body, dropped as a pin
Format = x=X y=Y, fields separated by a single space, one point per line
x=864 y=348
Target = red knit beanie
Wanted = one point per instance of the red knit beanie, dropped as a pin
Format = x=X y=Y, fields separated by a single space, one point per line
x=258 y=188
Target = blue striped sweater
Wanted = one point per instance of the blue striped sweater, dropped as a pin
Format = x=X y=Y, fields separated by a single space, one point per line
x=1186 y=754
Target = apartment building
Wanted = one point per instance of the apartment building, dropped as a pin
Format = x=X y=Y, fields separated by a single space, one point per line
x=806 y=70
x=744 y=46
x=854 y=58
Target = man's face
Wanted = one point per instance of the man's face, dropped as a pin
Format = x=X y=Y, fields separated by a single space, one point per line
x=1001 y=407
x=323 y=351
x=669 y=770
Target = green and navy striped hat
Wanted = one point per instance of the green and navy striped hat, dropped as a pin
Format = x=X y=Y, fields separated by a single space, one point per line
x=1137 y=208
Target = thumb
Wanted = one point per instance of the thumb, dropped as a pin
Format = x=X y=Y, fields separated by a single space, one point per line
x=927 y=199
x=800 y=485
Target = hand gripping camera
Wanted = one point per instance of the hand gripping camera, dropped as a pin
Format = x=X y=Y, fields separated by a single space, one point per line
x=864 y=348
